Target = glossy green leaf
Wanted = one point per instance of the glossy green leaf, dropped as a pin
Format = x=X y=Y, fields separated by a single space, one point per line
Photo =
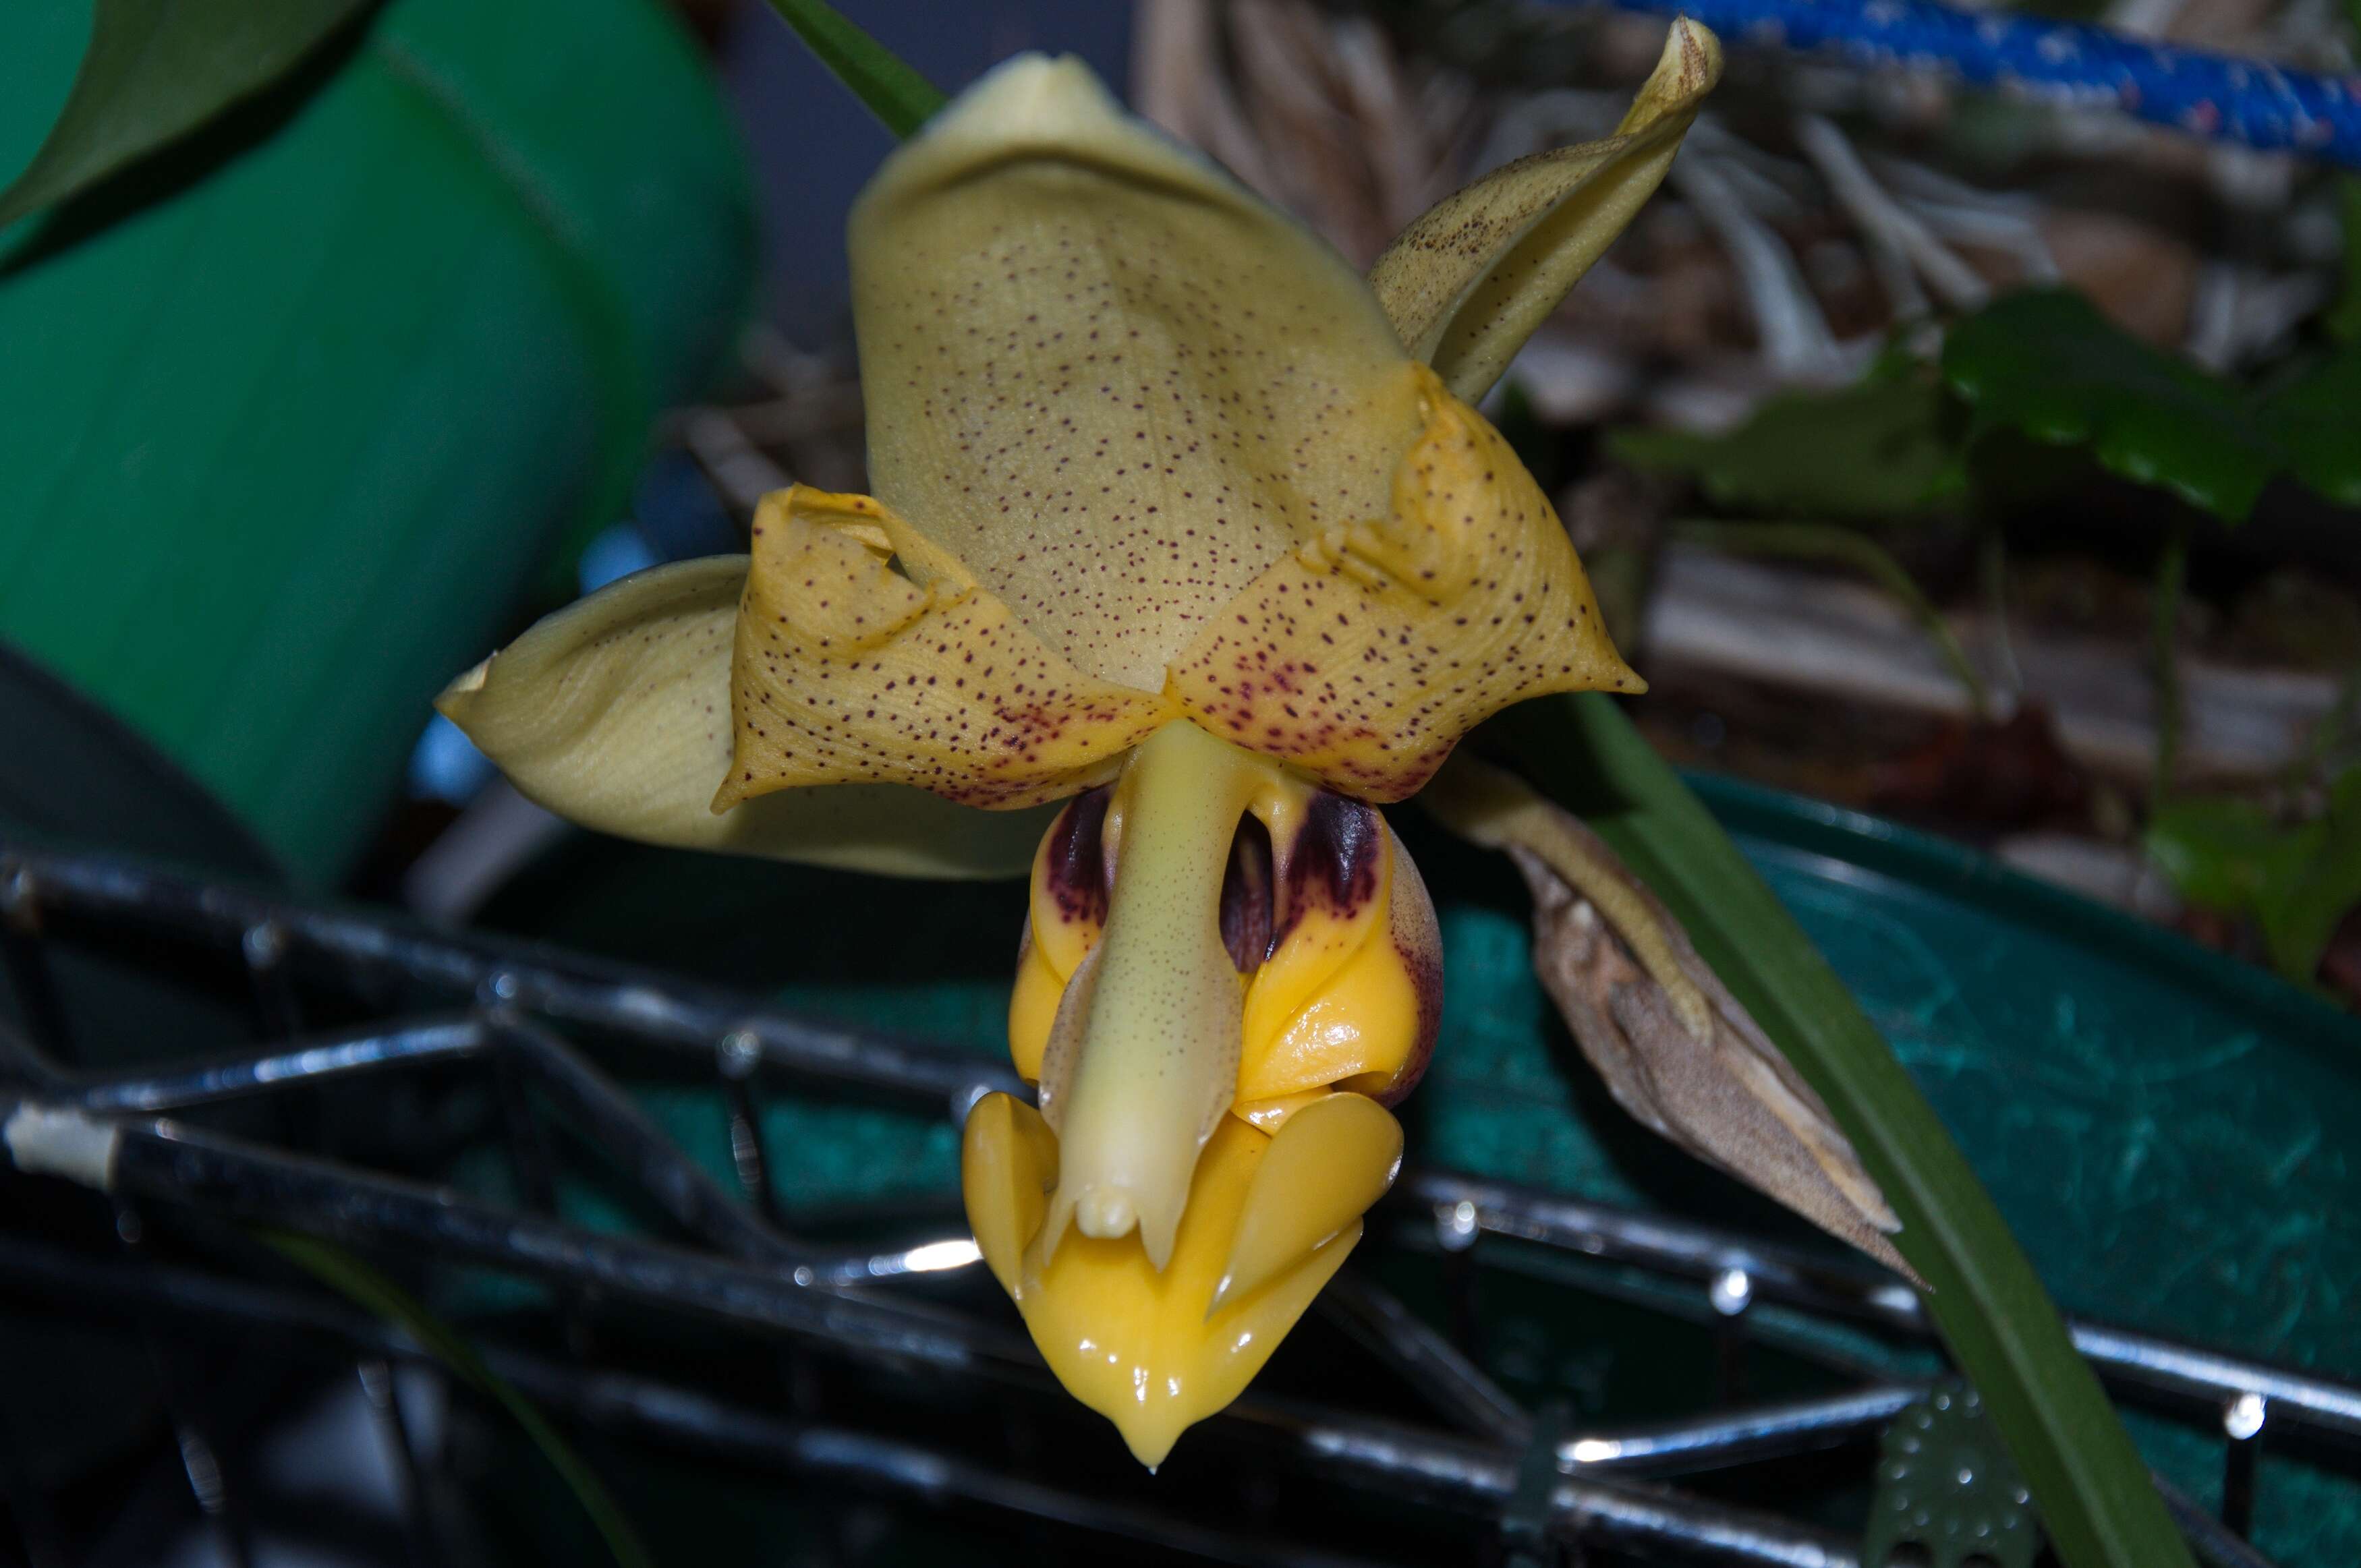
x=155 y=71
x=2046 y=363
x=339 y=1269
x=2298 y=882
x=2090 y=1483
x=1885 y=448
x=883 y=82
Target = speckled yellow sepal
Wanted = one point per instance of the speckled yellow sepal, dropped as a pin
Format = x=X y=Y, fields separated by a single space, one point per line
x=614 y=712
x=848 y=670
x=1364 y=655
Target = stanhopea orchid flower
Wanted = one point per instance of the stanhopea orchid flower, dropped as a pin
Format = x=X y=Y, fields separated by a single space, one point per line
x=1180 y=523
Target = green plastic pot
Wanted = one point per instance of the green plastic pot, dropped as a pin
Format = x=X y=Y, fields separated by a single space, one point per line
x=290 y=413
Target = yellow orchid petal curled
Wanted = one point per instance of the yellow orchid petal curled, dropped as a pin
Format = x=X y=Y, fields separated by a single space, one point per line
x=615 y=712
x=847 y=671
x=1365 y=656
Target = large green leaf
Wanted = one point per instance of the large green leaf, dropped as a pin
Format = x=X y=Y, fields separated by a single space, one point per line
x=2046 y=363
x=157 y=69
x=2090 y=1482
x=1883 y=448
x=2296 y=881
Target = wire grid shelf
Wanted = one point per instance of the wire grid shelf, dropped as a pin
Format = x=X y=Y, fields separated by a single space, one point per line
x=1529 y=1484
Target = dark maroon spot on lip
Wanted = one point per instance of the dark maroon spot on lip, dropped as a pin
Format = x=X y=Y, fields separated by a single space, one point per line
x=1335 y=860
x=1245 y=897
x=1076 y=872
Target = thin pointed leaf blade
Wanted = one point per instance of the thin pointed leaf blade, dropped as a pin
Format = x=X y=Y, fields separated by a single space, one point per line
x=886 y=84
x=2090 y=1485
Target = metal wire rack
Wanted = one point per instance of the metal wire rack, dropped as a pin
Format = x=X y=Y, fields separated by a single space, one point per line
x=516 y=1016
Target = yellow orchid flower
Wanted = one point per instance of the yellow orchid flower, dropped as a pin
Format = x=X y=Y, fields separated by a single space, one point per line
x=1181 y=523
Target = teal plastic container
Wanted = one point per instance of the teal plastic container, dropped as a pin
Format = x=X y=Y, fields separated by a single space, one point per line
x=291 y=415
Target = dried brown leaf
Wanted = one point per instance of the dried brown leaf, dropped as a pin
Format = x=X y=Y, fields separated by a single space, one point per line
x=1676 y=1049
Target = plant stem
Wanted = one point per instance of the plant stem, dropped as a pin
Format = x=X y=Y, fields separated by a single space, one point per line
x=2171 y=582
x=1992 y=570
x=1826 y=542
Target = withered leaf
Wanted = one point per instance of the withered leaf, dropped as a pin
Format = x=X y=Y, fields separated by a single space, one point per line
x=1677 y=1050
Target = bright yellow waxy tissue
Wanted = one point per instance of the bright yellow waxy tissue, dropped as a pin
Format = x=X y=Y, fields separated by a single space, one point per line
x=1170 y=527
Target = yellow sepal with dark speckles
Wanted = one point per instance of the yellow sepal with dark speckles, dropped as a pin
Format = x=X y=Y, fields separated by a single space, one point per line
x=614 y=713
x=1114 y=382
x=847 y=669
x=1364 y=656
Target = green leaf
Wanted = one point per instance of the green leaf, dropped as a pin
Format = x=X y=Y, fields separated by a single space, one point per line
x=889 y=88
x=2046 y=363
x=2090 y=1485
x=1885 y=448
x=157 y=69
x=370 y=1290
x=2316 y=420
x=2298 y=883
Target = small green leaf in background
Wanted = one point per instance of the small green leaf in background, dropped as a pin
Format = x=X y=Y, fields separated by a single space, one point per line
x=1883 y=448
x=2316 y=420
x=2047 y=364
x=157 y=69
x=372 y=1291
x=2298 y=883
x=884 y=83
